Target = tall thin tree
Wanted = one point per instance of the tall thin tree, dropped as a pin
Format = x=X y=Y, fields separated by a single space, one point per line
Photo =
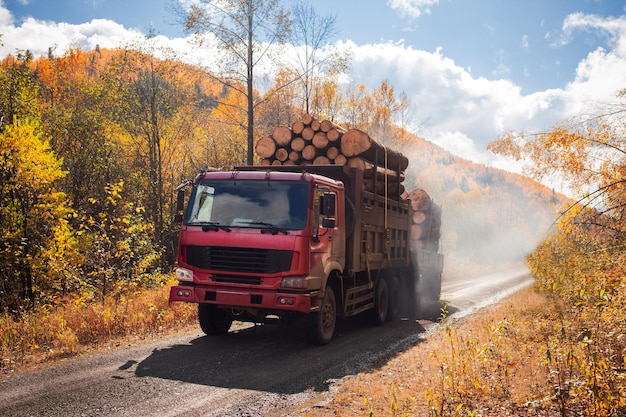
x=245 y=32
x=315 y=58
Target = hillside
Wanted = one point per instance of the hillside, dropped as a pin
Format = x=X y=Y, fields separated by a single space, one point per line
x=490 y=216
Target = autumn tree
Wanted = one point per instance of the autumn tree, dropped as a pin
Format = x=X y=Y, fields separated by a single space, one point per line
x=146 y=97
x=245 y=32
x=387 y=106
x=18 y=93
x=316 y=62
x=358 y=108
x=35 y=236
x=581 y=263
x=587 y=154
x=75 y=107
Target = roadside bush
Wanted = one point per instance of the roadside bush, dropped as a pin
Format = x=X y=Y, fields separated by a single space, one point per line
x=76 y=325
x=583 y=271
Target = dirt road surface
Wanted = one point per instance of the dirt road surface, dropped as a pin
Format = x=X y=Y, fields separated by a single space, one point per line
x=252 y=371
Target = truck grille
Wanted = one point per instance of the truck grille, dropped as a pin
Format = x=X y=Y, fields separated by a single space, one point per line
x=232 y=259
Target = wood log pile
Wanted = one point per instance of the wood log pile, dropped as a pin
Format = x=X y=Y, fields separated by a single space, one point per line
x=309 y=141
x=425 y=221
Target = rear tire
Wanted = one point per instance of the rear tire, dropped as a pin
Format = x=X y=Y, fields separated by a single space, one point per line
x=213 y=321
x=394 y=298
x=322 y=323
x=381 y=303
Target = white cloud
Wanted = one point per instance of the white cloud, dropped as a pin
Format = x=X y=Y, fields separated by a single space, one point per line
x=412 y=8
x=37 y=36
x=525 y=42
x=612 y=27
x=453 y=108
x=463 y=113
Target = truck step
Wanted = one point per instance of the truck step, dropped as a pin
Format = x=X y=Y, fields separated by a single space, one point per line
x=358 y=299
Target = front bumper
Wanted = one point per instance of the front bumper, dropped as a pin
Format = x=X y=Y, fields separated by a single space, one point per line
x=240 y=297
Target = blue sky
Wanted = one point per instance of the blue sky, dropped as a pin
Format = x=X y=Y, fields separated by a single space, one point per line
x=472 y=69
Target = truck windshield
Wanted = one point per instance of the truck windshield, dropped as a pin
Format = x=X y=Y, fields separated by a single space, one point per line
x=241 y=203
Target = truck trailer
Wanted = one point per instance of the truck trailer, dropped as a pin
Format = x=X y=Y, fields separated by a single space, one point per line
x=267 y=244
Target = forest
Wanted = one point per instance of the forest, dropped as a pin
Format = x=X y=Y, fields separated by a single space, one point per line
x=100 y=139
x=94 y=142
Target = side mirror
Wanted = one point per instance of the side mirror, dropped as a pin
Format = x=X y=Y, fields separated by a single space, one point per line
x=180 y=200
x=180 y=206
x=327 y=204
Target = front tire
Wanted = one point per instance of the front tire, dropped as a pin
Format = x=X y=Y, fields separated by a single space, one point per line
x=322 y=325
x=213 y=321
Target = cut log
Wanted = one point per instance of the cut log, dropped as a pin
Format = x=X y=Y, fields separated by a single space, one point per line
x=297 y=127
x=265 y=147
x=276 y=162
x=315 y=125
x=294 y=156
x=418 y=217
x=332 y=152
x=369 y=172
x=266 y=162
x=420 y=200
x=289 y=162
x=356 y=142
x=326 y=125
x=297 y=144
x=320 y=141
x=281 y=154
x=307 y=119
x=281 y=135
x=340 y=160
x=358 y=163
x=333 y=134
x=321 y=160
x=309 y=152
x=308 y=133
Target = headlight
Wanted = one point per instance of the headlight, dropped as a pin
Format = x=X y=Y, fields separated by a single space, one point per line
x=294 y=282
x=183 y=274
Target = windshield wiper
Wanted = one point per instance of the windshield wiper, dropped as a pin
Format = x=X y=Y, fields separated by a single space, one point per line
x=272 y=228
x=211 y=226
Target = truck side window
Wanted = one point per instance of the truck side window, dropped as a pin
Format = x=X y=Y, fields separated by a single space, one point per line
x=318 y=216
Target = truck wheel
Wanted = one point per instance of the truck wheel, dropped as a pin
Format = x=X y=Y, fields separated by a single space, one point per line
x=394 y=298
x=323 y=322
x=381 y=303
x=213 y=321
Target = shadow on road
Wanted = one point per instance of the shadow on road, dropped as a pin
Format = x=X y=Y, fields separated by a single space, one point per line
x=279 y=359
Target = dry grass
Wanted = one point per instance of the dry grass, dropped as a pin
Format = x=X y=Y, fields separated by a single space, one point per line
x=75 y=326
x=488 y=364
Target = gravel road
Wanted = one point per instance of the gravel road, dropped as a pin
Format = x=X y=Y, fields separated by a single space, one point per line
x=252 y=371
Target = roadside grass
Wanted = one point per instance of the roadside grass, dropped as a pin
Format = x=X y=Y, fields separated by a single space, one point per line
x=515 y=358
x=489 y=363
x=75 y=326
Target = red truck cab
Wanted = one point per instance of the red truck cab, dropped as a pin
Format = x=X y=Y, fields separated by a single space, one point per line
x=259 y=245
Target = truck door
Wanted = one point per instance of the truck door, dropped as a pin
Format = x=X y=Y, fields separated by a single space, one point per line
x=330 y=238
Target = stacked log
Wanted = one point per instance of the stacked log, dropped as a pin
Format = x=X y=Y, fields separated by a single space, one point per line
x=425 y=221
x=309 y=141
